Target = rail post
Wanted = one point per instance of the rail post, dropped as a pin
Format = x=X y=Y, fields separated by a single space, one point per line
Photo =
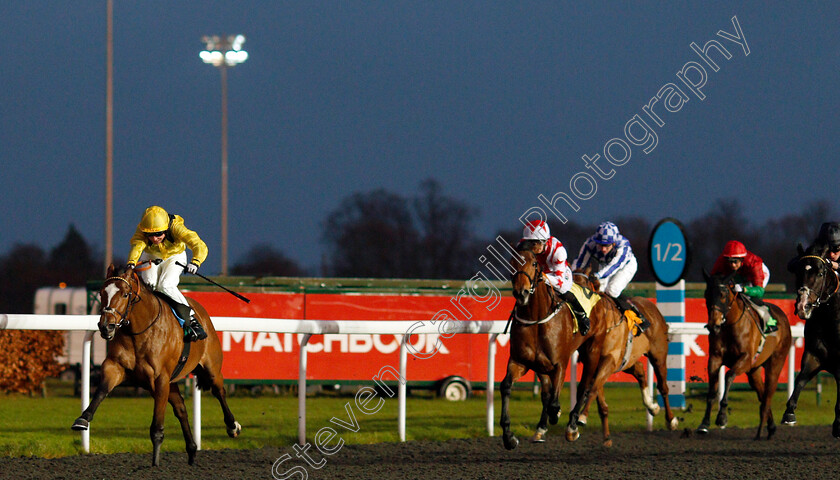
x=87 y=347
x=491 y=376
x=302 y=389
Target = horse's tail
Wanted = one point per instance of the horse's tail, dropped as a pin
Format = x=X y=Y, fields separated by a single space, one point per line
x=202 y=378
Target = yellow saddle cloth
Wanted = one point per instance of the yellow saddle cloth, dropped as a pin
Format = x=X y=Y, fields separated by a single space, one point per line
x=587 y=299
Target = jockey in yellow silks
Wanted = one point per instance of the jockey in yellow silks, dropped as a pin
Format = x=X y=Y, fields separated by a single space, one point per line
x=160 y=236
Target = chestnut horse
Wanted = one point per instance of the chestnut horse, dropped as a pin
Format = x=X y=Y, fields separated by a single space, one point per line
x=817 y=303
x=542 y=339
x=736 y=341
x=145 y=342
x=622 y=352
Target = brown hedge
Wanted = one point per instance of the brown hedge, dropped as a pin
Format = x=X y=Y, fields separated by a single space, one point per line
x=27 y=357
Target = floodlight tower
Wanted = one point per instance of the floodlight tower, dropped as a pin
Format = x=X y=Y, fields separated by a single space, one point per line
x=223 y=52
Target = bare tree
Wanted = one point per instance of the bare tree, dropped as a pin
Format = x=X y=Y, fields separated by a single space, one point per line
x=263 y=260
x=371 y=235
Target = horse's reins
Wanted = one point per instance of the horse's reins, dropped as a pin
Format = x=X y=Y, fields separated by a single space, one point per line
x=819 y=300
x=728 y=306
x=555 y=305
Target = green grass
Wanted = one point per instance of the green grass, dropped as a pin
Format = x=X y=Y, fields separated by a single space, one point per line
x=37 y=426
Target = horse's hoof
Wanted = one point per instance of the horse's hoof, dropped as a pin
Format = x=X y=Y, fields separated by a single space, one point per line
x=80 y=424
x=510 y=442
x=572 y=434
x=234 y=432
x=835 y=429
x=655 y=410
x=704 y=429
x=581 y=421
x=607 y=442
x=789 y=419
x=538 y=438
x=672 y=425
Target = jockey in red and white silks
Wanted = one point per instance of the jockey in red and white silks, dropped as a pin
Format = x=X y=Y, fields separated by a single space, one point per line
x=613 y=252
x=553 y=257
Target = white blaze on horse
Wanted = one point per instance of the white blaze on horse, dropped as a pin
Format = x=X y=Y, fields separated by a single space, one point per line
x=146 y=344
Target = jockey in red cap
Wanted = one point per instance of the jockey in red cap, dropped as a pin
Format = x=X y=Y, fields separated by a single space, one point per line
x=752 y=274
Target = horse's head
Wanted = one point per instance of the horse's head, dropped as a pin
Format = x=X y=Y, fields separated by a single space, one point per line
x=120 y=291
x=525 y=277
x=719 y=299
x=815 y=283
x=586 y=277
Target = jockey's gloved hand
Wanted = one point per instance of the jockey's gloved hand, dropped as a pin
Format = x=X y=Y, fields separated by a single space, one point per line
x=129 y=266
x=191 y=268
x=738 y=288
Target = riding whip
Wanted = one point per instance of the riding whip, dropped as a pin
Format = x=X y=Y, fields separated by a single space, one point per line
x=244 y=299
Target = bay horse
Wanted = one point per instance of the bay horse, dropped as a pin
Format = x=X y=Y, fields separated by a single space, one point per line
x=622 y=352
x=145 y=342
x=737 y=341
x=542 y=339
x=817 y=303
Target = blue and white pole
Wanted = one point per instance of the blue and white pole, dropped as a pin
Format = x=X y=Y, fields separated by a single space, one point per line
x=669 y=257
x=671 y=302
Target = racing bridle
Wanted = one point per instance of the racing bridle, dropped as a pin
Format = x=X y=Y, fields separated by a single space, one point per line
x=823 y=271
x=718 y=302
x=121 y=318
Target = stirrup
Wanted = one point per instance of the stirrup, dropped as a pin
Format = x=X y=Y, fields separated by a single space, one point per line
x=196 y=330
x=584 y=324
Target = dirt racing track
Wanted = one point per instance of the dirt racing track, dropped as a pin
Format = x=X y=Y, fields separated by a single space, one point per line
x=795 y=452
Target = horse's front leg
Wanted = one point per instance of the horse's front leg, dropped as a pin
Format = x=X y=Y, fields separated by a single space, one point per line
x=660 y=369
x=546 y=392
x=595 y=387
x=713 y=368
x=180 y=410
x=648 y=400
x=810 y=367
x=761 y=391
x=161 y=395
x=514 y=372
x=584 y=394
x=112 y=375
x=723 y=413
x=835 y=427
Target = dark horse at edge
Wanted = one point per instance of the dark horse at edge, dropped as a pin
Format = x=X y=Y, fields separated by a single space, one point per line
x=145 y=342
x=817 y=303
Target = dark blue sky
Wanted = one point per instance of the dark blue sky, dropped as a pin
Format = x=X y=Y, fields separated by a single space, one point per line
x=496 y=100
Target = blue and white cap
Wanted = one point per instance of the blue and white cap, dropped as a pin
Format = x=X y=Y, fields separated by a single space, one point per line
x=606 y=234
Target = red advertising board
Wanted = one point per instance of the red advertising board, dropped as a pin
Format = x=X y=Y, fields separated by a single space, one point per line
x=349 y=357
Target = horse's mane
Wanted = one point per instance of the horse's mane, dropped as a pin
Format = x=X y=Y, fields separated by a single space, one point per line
x=525 y=246
x=121 y=270
x=818 y=248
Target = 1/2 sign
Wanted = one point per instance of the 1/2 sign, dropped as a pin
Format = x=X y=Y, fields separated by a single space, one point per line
x=668 y=252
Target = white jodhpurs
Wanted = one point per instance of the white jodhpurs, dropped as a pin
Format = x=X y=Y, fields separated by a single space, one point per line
x=165 y=277
x=618 y=281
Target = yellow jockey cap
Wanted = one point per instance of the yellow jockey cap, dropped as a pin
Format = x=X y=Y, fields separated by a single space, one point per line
x=155 y=219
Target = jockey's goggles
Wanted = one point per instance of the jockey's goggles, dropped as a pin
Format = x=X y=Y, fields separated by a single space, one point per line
x=835 y=249
x=154 y=234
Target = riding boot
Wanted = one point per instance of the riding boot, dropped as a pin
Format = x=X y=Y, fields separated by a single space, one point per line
x=197 y=329
x=625 y=304
x=192 y=329
x=577 y=309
